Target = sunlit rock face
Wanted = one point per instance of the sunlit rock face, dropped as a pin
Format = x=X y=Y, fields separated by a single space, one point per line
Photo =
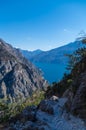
x=18 y=77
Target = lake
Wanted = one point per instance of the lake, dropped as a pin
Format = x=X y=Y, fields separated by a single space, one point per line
x=52 y=72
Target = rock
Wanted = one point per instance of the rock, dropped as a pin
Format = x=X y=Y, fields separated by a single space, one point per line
x=27 y=114
x=18 y=77
x=47 y=106
x=79 y=102
x=69 y=95
x=54 y=98
x=60 y=120
x=76 y=93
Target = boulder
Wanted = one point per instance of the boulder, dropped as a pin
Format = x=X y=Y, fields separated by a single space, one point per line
x=54 y=98
x=47 y=106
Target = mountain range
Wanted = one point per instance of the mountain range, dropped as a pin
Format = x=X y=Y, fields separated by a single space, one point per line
x=53 y=61
x=64 y=108
x=30 y=54
x=56 y=55
x=63 y=105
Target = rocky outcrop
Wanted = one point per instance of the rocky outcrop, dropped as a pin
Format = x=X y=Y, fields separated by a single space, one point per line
x=18 y=77
x=79 y=101
x=36 y=118
x=76 y=93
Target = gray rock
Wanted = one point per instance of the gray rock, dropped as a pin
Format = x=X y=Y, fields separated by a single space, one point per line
x=54 y=98
x=18 y=77
x=46 y=106
x=47 y=121
x=79 y=102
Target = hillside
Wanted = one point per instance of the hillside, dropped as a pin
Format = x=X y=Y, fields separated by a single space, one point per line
x=65 y=113
x=73 y=87
x=64 y=106
x=18 y=77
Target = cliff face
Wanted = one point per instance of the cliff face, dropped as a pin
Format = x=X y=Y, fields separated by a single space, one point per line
x=77 y=91
x=79 y=101
x=18 y=77
x=52 y=113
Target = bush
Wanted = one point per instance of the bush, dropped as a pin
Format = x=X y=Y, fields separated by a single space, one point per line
x=8 y=110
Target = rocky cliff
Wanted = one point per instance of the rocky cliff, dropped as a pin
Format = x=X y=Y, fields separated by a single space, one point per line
x=78 y=90
x=76 y=93
x=65 y=113
x=73 y=87
x=18 y=77
x=48 y=115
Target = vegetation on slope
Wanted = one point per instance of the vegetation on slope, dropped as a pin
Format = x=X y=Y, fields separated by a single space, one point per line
x=76 y=65
x=8 y=110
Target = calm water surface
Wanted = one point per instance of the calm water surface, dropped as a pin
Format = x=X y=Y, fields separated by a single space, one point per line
x=52 y=72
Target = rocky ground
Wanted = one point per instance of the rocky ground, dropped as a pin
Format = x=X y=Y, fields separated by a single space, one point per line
x=48 y=115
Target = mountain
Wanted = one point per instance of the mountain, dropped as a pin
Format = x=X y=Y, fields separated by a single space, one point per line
x=64 y=106
x=30 y=54
x=19 y=78
x=73 y=87
x=56 y=55
x=67 y=112
x=53 y=61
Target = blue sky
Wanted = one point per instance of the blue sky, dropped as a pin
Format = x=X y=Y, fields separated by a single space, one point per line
x=43 y=24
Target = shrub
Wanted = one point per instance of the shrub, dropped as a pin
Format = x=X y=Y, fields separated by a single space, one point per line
x=8 y=110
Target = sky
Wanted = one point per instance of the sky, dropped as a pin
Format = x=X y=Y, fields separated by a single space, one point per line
x=41 y=24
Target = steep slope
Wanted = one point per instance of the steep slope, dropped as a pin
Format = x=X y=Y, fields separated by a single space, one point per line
x=56 y=113
x=50 y=115
x=77 y=90
x=18 y=77
x=73 y=87
x=65 y=113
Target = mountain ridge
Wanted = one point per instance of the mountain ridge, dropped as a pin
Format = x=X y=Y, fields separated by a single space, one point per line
x=18 y=77
x=55 y=55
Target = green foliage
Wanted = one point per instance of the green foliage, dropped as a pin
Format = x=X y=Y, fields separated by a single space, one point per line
x=79 y=54
x=76 y=57
x=35 y=99
x=59 y=88
x=8 y=110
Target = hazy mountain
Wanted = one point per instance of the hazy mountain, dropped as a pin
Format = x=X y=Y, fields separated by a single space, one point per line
x=30 y=54
x=53 y=61
x=56 y=55
x=18 y=77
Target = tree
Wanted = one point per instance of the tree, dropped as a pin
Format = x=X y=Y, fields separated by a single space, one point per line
x=78 y=55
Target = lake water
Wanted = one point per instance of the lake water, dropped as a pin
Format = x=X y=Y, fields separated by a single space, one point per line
x=52 y=72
